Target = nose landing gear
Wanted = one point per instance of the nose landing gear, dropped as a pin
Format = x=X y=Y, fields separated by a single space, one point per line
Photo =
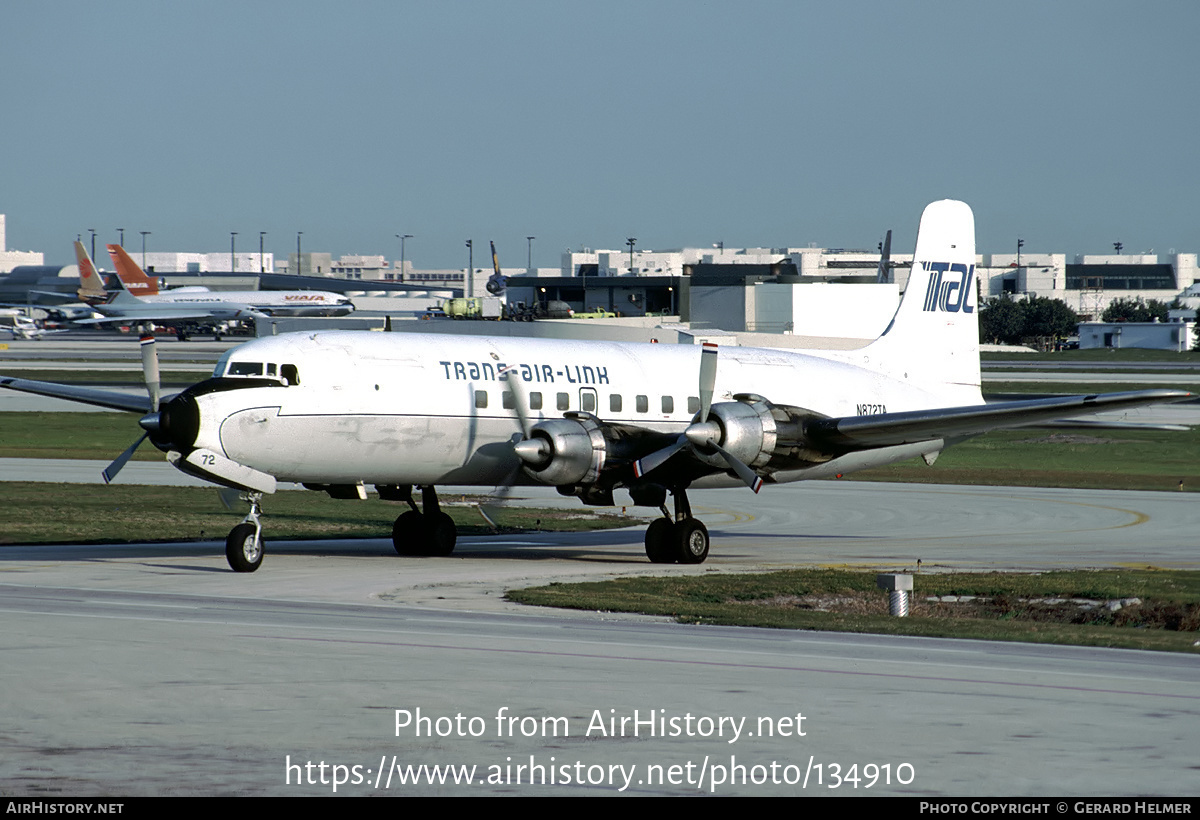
x=244 y=546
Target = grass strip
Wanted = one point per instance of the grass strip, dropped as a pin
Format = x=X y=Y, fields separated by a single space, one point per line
x=43 y=513
x=1160 y=608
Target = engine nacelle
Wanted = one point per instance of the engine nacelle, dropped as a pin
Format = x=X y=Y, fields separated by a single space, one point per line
x=573 y=449
x=763 y=435
x=747 y=432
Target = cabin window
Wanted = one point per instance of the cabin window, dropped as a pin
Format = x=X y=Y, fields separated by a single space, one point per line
x=564 y=401
x=642 y=404
x=614 y=402
x=507 y=400
x=668 y=404
x=587 y=401
x=693 y=405
x=481 y=399
x=245 y=369
x=535 y=401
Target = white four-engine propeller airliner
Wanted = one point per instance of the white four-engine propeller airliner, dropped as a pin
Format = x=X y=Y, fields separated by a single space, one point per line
x=339 y=411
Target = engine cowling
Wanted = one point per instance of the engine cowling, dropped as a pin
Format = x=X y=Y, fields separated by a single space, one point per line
x=746 y=429
x=569 y=450
x=762 y=435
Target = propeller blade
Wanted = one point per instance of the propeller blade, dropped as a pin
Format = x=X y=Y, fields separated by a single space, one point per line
x=520 y=398
x=751 y=478
x=708 y=377
x=110 y=472
x=499 y=498
x=656 y=459
x=150 y=369
x=229 y=497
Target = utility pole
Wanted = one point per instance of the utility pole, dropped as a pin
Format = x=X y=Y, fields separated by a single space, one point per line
x=470 y=266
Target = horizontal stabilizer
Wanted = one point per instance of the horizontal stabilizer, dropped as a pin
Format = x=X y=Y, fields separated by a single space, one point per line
x=891 y=429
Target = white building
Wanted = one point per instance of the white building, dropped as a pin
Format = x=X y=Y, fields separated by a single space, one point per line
x=11 y=259
x=1178 y=336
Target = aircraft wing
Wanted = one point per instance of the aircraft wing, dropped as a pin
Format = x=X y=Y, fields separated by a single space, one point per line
x=890 y=429
x=132 y=316
x=84 y=395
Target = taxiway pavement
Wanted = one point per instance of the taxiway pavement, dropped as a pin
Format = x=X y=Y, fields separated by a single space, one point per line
x=153 y=669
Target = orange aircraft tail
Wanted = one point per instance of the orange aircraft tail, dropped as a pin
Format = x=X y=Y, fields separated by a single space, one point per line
x=132 y=276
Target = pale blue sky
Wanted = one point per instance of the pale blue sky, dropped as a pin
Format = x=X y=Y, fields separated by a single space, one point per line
x=1071 y=124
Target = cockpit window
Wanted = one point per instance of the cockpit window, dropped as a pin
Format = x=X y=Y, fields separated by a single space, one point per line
x=290 y=374
x=245 y=369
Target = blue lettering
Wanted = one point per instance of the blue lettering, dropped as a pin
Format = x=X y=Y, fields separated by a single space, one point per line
x=946 y=293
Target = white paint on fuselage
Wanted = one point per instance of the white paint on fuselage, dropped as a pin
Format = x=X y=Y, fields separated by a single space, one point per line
x=395 y=408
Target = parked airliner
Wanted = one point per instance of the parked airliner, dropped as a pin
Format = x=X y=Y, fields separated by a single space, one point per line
x=344 y=411
x=273 y=302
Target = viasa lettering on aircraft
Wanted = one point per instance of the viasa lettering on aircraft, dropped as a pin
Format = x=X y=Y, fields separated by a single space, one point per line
x=341 y=411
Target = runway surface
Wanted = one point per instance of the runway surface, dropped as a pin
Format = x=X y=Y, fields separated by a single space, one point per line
x=152 y=669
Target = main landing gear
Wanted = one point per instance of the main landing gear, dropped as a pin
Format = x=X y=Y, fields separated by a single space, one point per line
x=428 y=532
x=682 y=540
x=244 y=546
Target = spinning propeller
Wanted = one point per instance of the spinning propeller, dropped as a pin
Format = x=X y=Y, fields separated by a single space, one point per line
x=528 y=450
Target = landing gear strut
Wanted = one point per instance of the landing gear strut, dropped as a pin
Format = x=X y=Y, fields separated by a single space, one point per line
x=427 y=532
x=683 y=539
x=244 y=546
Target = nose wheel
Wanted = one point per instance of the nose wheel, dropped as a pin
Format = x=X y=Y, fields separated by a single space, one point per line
x=244 y=546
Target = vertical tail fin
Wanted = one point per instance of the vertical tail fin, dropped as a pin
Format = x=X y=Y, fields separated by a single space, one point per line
x=91 y=286
x=934 y=336
x=131 y=276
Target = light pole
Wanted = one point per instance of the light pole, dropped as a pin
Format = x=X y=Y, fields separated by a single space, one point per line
x=232 y=257
x=1020 y=244
x=122 y=232
x=470 y=266
x=298 y=235
x=630 y=242
x=529 y=262
x=262 y=265
x=402 y=237
x=92 y=231
x=144 y=235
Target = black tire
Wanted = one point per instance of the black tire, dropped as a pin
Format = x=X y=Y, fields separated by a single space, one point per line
x=691 y=541
x=660 y=542
x=243 y=552
x=408 y=533
x=441 y=535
